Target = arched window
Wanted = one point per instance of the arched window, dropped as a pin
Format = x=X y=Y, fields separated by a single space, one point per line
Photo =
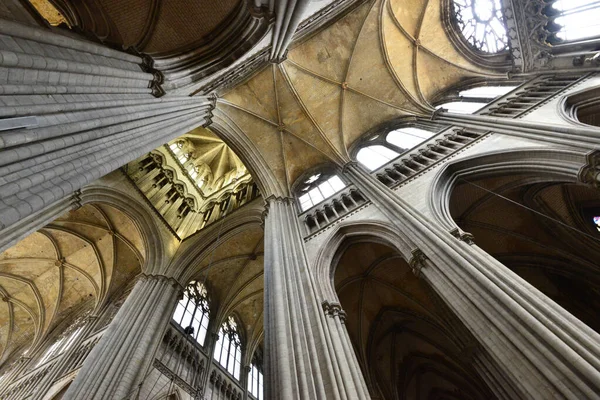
x=381 y=149
x=256 y=381
x=317 y=188
x=572 y=20
x=481 y=24
x=192 y=311
x=375 y=156
x=63 y=343
x=228 y=351
x=177 y=149
x=472 y=100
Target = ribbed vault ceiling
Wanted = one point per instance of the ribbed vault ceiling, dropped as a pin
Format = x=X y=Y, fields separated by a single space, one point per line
x=210 y=154
x=70 y=266
x=384 y=60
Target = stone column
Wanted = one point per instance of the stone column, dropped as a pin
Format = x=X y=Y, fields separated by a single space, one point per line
x=540 y=349
x=304 y=355
x=116 y=366
x=72 y=111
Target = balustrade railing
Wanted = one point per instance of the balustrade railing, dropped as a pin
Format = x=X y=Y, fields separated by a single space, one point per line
x=332 y=209
x=528 y=95
x=425 y=155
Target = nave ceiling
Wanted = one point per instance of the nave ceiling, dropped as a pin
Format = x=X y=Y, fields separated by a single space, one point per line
x=70 y=267
x=386 y=59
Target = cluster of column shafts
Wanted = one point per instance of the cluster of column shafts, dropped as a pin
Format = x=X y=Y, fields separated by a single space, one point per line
x=88 y=110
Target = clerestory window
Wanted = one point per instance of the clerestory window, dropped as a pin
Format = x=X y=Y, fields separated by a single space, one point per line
x=62 y=344
x=192 y=311
x=256 y=381
x=572 y=20
x=381 y=149
x=481 y=23
x=317 y=188
x=228 y=351
x=472 y=100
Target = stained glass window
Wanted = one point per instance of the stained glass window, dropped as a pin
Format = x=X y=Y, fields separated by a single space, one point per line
x=228 y=351
x=481 y=24
x=407 y=138
x=472 y=100
x=192 y=311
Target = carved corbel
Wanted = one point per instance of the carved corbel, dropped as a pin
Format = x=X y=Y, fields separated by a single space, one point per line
x=463 y=236
x=417 y=262
x=158 y=78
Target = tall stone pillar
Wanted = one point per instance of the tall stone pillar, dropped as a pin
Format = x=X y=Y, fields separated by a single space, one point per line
x=116 y=366
x=72 y=111
x=540 y=349
x=305 y=356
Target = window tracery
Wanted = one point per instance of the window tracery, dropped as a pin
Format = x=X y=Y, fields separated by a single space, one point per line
x=192 y=311
x=481 y=24
x=317 y=188
x=228 y=351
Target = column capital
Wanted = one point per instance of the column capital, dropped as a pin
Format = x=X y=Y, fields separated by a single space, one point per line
x=172 y=281
x=350 y=165
x=334 y=310
x=287 y=200
x=463 y=236
x=417 y=261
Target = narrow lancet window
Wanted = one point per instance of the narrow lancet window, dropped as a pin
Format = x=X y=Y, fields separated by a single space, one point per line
x=228 y=351
x=255 y=381
x=192 y=311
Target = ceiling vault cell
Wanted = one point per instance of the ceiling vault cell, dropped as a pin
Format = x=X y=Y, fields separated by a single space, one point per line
x=383 y=60
x=73 y=265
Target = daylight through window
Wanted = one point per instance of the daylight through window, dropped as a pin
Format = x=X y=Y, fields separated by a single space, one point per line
x=228 y=351
x=255 y=382
x=481 y=24
x=572 y=20
x=318 y=188
x=192 y=311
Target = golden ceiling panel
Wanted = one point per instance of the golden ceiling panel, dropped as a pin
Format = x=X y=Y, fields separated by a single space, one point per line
x=384 y=60
x=70 y=266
